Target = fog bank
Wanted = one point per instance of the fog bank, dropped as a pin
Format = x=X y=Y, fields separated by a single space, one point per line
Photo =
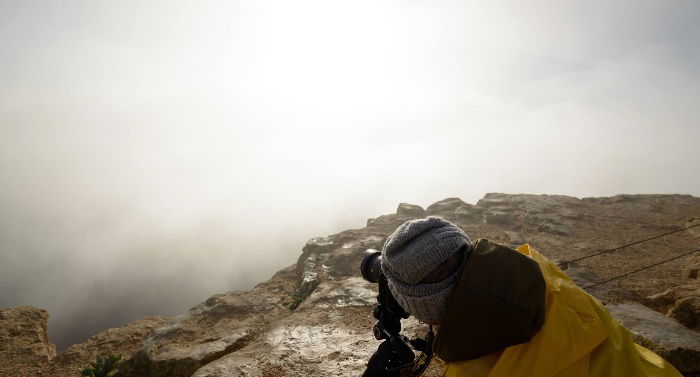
x=154 y=153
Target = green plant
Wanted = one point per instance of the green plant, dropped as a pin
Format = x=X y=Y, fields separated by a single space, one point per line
x=298 y=296
x=101 y=367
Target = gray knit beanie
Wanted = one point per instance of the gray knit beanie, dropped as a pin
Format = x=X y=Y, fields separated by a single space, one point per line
x=415 y=249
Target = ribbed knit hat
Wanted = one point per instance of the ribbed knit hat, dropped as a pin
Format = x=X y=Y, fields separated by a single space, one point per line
x=414 y=250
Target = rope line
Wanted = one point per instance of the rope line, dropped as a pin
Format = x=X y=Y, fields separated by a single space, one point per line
x=624 y=246
x=642 y=269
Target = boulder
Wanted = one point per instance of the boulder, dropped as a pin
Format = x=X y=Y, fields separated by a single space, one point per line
x=411 y=210
x=653 y=330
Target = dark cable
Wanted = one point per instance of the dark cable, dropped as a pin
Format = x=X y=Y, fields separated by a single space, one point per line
x=623 y=246
x=642 y=269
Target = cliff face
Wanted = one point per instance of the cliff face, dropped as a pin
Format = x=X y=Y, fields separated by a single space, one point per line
x=23 y=336
x=254 y=333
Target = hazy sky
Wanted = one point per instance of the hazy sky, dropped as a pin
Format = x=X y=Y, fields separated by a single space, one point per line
x=155 y=152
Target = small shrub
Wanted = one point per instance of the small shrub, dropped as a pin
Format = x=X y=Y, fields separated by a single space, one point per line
x=298 y=296
x=101 y=367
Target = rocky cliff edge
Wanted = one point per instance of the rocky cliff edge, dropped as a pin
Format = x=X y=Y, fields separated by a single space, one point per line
x=315 y=317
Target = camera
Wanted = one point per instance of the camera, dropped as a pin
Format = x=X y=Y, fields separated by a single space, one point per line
x=371 y=266
x=394 y=357
x=388 y=313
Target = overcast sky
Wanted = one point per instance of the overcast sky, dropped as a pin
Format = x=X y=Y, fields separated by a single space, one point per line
x=155 y=152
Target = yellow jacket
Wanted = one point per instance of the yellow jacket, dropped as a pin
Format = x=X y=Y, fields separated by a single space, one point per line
x=579 y=338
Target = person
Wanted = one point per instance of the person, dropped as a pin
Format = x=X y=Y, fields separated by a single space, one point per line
x=506 y=312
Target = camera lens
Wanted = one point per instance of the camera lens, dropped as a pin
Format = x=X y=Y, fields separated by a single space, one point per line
x=370 y=268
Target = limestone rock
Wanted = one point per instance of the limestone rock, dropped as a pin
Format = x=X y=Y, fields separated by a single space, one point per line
x=571 y=213
x=328 y=335
x=410 y=210
x=233 y=365
x=445 y=206
x=501 y=208
x=695 y=222
x=513 y=238
x=556 y=228
x=672 y=295
x=387 y=221
x=493 y=201
x=692 y=268
x=680 y=303
x=23 y=330
x=498 y=217
x=516 y=200
x=671 y=340
x=124 y=341
x=330 y=332
x=221 y=325
x=664 y=300
x=540 y=219
x=353 y=291
x=24 y=345
x=625 y=198
x=309 y=277
x=467 y=212
x=316 y=245
x=687 y=311
x=346 y=260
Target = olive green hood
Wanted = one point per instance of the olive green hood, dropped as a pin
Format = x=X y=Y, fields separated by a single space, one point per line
x=498 y=302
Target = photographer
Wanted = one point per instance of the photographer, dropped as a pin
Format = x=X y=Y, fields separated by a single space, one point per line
x=500 y=311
